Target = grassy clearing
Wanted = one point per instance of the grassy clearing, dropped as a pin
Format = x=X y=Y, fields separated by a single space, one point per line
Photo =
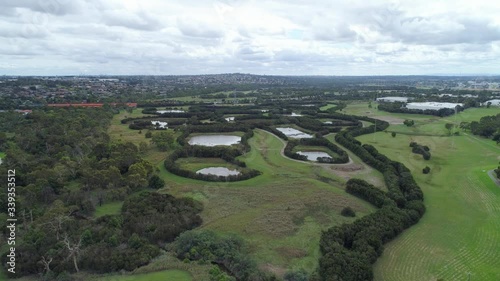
x=461 y=229
x=112 y=208
x=167 y=275
x=195 y=164
x=2 y=154
x=119 y=131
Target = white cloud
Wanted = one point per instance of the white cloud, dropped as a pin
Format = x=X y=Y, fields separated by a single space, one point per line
x=267 y=37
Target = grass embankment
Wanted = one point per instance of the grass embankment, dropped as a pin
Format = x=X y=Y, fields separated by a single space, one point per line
x=460 y=231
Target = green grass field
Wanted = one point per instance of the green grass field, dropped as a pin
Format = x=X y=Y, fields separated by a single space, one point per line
x=195 y=164
x=280 y=213
x=460 y=232
x=111 y=208
x=167 y=275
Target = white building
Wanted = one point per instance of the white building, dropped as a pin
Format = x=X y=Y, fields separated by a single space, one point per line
x=392 y=99
x=493 y=103
x=432 y=105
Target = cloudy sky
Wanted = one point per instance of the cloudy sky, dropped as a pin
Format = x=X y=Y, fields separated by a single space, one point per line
x=317 y=37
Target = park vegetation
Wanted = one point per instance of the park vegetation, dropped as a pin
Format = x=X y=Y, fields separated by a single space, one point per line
x=66 y=166
x=424 y=150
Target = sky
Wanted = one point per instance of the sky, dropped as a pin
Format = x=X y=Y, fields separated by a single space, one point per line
x=293 y=37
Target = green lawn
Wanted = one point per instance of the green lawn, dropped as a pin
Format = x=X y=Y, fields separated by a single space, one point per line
x=167 y=275
x=281 y=213
x=195 y=164
x=112 y=208
x=460 y=231
x=2 y=154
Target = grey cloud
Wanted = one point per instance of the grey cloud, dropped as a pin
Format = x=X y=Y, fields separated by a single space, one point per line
x=249 y=53
x=140 y=20
x=192 y=28
x=55 y=7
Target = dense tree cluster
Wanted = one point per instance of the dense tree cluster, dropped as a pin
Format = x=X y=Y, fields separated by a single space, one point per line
x=349 y=250
x=424 y=150
x=226 y=252
x=487 y=126
x=66 y=166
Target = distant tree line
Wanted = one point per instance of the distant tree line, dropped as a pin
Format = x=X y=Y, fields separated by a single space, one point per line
x=488 y=126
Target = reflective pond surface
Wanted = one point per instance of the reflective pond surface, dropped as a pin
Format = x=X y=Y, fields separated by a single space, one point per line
x=213 y=140
x=170 y=111
x=313 y=155
x=218 y=171
x=293 y=133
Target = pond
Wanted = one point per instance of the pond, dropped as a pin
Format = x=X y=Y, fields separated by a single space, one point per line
x=170 y=111
x=229 y=119
x=293 y=133
x=218 y=171
x=295 y=114
x=328 y=122
x=313 y=155
x=213 y=140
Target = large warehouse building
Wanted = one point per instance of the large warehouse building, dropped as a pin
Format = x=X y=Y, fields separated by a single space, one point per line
x=432 y=105
x=392 y=99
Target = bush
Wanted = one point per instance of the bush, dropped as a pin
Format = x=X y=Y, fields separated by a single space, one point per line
x=348 y=212
x=300 y=275
x=155 y=182
x=426 y=170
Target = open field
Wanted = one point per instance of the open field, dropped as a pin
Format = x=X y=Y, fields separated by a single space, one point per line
x=280 y=213
x=111 y=208
x=167 y=275
x=460 y=232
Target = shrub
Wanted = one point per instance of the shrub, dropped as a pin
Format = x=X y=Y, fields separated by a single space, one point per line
x=348 y=212
x=426 y=170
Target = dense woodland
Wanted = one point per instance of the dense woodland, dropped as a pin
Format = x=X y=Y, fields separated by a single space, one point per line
x=65 y=166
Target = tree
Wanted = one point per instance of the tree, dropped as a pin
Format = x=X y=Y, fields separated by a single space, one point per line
x=163 y=140
x=449 y=127
x=393 y=134
x=348 y=212
x=409 y=123
x=488 y=104
x=74 y=249
x=426 y=170
x=155 y=182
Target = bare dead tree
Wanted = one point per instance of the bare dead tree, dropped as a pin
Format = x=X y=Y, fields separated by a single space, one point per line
x=46 y=263
x=73 y=250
